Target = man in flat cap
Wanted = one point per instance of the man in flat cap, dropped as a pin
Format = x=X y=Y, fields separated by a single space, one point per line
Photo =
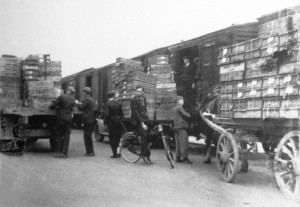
x=87 y=107
x=64 y=106
x=113 y=115
x=139 y=115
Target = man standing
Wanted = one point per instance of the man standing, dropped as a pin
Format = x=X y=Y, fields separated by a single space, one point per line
x=181 y=135
x=113 y=115
x=64 y=105
x=139 y=115
x=87 y=107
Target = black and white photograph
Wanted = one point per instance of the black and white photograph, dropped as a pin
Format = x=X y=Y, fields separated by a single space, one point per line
x=149 y=103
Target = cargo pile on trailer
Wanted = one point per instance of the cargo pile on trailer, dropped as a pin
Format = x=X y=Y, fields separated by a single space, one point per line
x=10 y=81
x=42 y=82
x=260 y=77
x=165 y=86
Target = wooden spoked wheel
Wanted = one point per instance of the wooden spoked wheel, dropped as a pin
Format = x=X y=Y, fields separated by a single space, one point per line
x=227 y=157
x=287 y=165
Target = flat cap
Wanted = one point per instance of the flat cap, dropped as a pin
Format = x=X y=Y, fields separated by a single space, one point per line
x=111 y=94
x=71 y=89
x=87 y=90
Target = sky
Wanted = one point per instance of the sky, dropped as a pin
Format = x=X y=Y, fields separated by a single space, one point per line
x=93 y=33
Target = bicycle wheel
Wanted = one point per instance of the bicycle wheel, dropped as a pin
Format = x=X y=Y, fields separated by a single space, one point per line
x=169 y=154
x=130 y=147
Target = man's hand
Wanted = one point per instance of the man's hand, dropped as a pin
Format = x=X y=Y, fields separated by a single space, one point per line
x=77 y=102
x=145 y=127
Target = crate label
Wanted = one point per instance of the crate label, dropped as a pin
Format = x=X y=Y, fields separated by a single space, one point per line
x=225 y=51
x=240 y=94
x=270 y=50
x=287 y=79
x=223 y=60
x=270 y=39
x=271 y=81
x=252 y=93
x=254 y=82
x=289 y=89
x=270 y=91
x=240 y=85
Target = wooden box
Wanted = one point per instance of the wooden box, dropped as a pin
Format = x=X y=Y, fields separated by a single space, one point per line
x=253 y=44
x=252 y=54
x=268 y=51
x=226 y=113
x=253 y=84
x=270 y=41
x=255 y=93
x=237 y=57
x=290 y=113
x=288 y=68
x=239 y=114
x=271 y=103
x=255 y=113
x=270 y=113
x=226 y=105
x=238 y=95
x=233 y=76
x=269 y=92
x=292 y=102
x=270 y=82
x=254 y=103
x=239 y=105
x=289 y=90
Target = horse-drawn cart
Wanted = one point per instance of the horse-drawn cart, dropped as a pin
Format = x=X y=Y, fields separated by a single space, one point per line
x=235 y=134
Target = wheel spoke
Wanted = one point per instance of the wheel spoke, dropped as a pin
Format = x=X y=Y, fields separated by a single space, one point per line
x=287 y=151
x=289 y=182
x=230 y=167
x=281 y=174
x=231 y=160
x=282 y=160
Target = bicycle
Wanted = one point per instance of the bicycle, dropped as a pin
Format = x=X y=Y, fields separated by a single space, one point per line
x=130 y=145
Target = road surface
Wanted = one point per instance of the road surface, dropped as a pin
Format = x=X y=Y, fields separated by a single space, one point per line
x=39 y=179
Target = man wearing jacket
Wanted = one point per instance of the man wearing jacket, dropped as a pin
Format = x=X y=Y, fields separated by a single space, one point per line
x=181 y=135
x=87 y=107
x=113 y=115
x=139 y=115
x=64 y=106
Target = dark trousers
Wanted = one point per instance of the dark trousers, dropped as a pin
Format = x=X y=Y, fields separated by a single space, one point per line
x=87 y=136
x=63 y=137
x=144 y=141
x=114 y=130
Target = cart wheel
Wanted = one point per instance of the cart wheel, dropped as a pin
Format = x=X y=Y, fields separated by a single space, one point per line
x=227 y=157
x=287 y=165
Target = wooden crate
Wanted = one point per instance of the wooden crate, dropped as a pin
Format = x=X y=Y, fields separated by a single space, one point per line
x=290 y=102
x=254 y=103
x=268 y=51
x=269 y=92
x=255 y=113
x=238 y=95
x=283 y=38
x=238 y=48
x=270 y=82
x=288 y=68
x=270 y=113
x=240 y=114
x=254 y=93
x=253 y=44
x=290 y=113
x=237 y=57
x=233 y=76
x=254 y=83
x=226 y=113
x=271 y=103
x=252 y=54
x=223 y=60
x=270 y=41
x=226 y=96
x=239 y=105
x=289 y=90
x=226 y=105
x=258 y=73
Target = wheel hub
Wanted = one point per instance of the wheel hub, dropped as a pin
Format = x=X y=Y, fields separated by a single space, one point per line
x=224 y=156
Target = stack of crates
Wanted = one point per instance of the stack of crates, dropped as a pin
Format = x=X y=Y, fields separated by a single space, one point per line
x=127 y=75
x=260 y=77
x=10 y=81
x=44 y=85
x=165 y=86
